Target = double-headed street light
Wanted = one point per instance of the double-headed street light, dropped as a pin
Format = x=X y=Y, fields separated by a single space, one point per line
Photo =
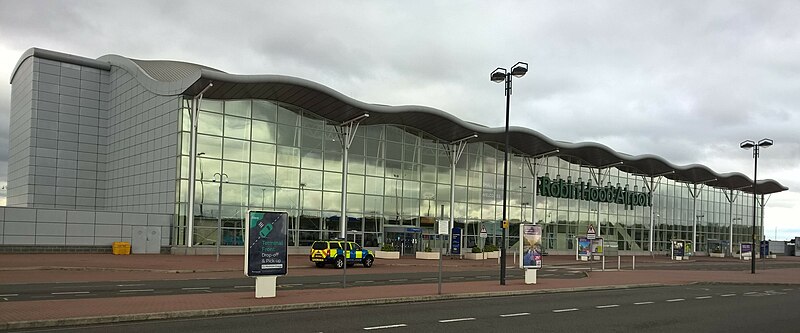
x=500 y=75
x=763 y=143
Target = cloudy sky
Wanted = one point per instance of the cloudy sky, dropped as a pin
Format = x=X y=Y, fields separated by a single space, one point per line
x=686 y=80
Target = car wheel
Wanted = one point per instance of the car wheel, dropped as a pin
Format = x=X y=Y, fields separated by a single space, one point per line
x=340 y=262
x=320 y=264
x=368 y=261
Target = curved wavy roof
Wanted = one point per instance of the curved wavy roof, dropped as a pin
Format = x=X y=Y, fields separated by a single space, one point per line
x=181 y=78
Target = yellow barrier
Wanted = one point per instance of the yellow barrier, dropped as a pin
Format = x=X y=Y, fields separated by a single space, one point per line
x=121 y=248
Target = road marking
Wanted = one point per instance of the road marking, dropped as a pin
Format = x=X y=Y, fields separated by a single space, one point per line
x=546 y=274
x=70 y=293
x=515 y=314
x=482 y=277
x=727 y=295
x=9 y=295
x=136 y=290
x=565 y=310
x=365 y=281
x=455 y=320
x=196 y=288
x=130 y=285
x=787 y=289
x=48 y=296
x=289 y=285
x=238 y=287
x=676 y=300
x=751 y=293
x=575 y=272
x=384 y=326
x=607 y=306
x=329 y=282
x=428 y=279
x=702 y=297
x=398 y=280
x=643 y=303
x=551 y=270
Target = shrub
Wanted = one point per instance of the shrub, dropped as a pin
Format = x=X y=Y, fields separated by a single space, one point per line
x=428 y=249
x=476 y=249
x=490 y=248
x=387 y=247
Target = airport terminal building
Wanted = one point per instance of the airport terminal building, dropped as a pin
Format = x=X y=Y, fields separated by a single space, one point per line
x=105 y=150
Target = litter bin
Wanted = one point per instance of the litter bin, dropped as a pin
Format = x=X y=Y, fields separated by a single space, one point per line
x=121 y=248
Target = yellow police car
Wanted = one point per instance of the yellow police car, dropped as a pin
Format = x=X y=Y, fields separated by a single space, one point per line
x=336 y=252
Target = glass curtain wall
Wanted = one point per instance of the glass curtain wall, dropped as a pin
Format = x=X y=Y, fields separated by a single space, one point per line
x=279 y=157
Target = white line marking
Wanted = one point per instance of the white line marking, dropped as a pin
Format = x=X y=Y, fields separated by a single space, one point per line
x=398 y=280
x=727 y=295
x=515 y=314
x=643 y=303
x=130 y=285
x=607 y=306
x=787 y=289
x=9 y=295
x=365 y=281
x=455 y=320
x=482 y=277
x=292 y=285
x=546 y=274
x=196 y=288
x=457 y=277
x=429 y=279
x=329 y=282
x=702 y=297
x=565 y=310
x=751 y=293
x=136 y=290
x=70 y=293
x=676 y=300
x=382 y=327
x=237 y=287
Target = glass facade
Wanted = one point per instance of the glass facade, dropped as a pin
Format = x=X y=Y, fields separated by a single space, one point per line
x=279 y=157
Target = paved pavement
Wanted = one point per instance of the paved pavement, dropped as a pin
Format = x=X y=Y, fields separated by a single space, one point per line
x=49 y=268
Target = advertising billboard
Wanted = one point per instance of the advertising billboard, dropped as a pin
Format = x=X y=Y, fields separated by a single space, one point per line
x=677 y=249
x=530 y=246
x=597 y=247
x=745 y=248
x=584 y=246
x=266 y=243
x=455 y=243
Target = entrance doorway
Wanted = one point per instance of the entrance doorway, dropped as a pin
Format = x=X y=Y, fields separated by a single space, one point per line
x=404 y=239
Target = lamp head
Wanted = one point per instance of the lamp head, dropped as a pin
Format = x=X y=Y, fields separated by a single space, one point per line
x=747 y=144
x=499 y=75
x=520 y=69
x=765 y=143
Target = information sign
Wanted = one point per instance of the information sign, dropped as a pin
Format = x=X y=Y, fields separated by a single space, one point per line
x=443 y=227
x=483 y=233
x=590 y=233
x=455 y=243
x=266 y=242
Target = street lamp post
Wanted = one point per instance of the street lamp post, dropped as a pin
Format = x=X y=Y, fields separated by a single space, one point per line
x=747 y=144
x=222 y=179
x=502 y=75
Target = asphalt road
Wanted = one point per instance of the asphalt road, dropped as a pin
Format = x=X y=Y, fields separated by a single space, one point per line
x=696 y=308
x=51 y=291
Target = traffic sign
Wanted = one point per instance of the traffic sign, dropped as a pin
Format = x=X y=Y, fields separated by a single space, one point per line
x=590 y=233
x=483 y=231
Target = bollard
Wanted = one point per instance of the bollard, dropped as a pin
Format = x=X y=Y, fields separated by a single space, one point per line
x=619 y=261
x=604 y=264
x=633 y=266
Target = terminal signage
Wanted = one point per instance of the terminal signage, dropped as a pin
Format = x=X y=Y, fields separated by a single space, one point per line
x=266 y=251
x=455 y=242
x=584 y=246
x=547 y=187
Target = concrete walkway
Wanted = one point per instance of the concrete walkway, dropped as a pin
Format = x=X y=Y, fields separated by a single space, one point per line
x=31 y=268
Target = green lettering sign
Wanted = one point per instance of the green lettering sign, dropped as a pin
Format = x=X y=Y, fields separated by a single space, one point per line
x=559 y=188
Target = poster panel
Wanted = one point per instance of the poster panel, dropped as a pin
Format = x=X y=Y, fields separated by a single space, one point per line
x=597 y=247
x=677 y=248
x=530 y=246
x=584 y=246
x=266 y=251
x=745 y=248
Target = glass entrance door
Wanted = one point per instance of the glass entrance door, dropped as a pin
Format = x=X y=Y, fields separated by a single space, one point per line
x=405 y=242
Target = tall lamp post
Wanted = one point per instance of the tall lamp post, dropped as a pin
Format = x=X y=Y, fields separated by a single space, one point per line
x=747 y=144
x=223 y=178
x=502 y=75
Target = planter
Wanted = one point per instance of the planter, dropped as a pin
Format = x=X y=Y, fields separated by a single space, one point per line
x=473 y=256
x=428 y=255
x=387 y=254
x=492 y=255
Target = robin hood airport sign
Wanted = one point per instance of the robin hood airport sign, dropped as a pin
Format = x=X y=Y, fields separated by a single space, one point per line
x=558 y=188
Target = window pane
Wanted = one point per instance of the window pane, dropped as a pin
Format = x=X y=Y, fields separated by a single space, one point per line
x=209 y=146
x=288 y=156
x=288 y=177
x=211 y=105
x=265 y=110
x=263 y=153
x=288 y=135
x=264 y=131
x=238 y=108
x=288 y=117
x=262 y=175
x=209 y=123
x=237 y=150
x=237 y=172
x=262 y=197
x=236 y=127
